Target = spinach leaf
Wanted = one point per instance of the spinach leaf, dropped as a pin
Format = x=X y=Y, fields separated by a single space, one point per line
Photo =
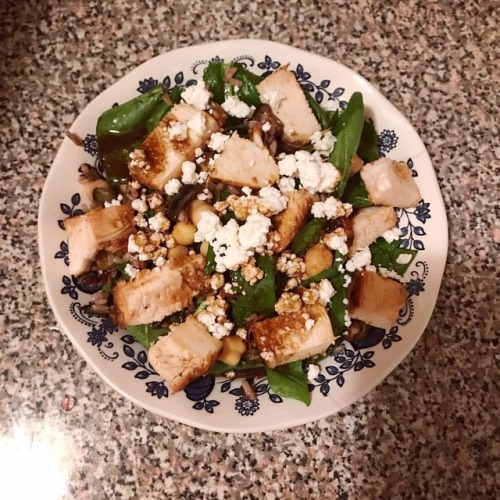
x=368 y=144
x=327 y=119
x=355 y=193
x=308 y=235
x=248 y=92
x=337 y=307
x=210 y=262
x=349 y=126
x=385 y=254
x=289 y=381
x=145 y=334
x=213 y=76
x=175 y=93
x=259 y=298
x=219 y=367
x=122 y=128
x=329 y=273
x=186 y=193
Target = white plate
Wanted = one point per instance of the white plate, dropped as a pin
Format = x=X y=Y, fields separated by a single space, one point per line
x=217 y=404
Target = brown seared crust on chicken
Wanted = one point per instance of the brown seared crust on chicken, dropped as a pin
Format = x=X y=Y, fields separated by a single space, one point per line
x=186 y=353
x=153 y=294
x=98 y=229
x=375 y=300
x=370 y=223
x=285 y=338
x=162 y=156
x=289 y=222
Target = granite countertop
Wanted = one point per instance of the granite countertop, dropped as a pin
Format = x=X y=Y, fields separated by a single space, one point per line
x=428 y=431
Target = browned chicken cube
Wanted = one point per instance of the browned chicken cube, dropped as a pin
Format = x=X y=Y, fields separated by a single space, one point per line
x=243 y=163
x=370 y=223
x=375 y=300
x=289 y=222
x=390 y=183
x=162 y=155
x=289 y=337
x=186 y=353
x=283 y=93
x=98 y=229
x=152 y=295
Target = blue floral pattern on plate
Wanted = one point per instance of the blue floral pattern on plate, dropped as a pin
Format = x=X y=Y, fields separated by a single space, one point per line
x=356 y=355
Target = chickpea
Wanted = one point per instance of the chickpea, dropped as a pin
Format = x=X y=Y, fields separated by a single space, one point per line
x=232 y=349
x=196 y=208
x=183 y=233
x=204 y=248
x=177 y=251
x=317 y=259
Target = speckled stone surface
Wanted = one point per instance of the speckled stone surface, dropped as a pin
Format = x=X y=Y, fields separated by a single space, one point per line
x=429 y=431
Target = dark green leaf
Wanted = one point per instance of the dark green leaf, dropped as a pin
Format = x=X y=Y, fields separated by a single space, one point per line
x=329 y=273
x=186 y=193
x=122 y=128
x=289 y=381
x=210 y=263
x=355 y=193
x=175 y=93
x=348 y=134
x=337 y=307
x=259 y=298
x=248 y=92
x=219 y=367
x=385 y=255
x=227 y=217
x=368 y=144
x=308 y=235
x=213 y=76
x=146 y=334
x=121 y=270
x=327 y=119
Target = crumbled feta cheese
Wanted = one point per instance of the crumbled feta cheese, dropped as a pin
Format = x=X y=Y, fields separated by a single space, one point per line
x=208 y=227
x=239 y=109
x=331 y=208
x=198 y=152
x=217 y=141
x=216 y=281
x=112 y=203
x=159 y=222
x=309 y=324
x=131 y=271
x=323 y=144
x=189 y=175
x=359 y=260
x=172 y=187
x=197 y=123
x=273 y=199
x=312 y=372
x=266 y=127
x=391 y=234
x=330 y=105
x=387 y=273
x=139 y=205
x=404 y=258
x=348 y=279
x=287 y=165
x=326 y=291
x=160 y=261
x=242 y=333
x=253 y=233
x=136 y=242
x=316 y=175
x=267 y=356
x=246 y=190
x=197 y=95
x=337 y=241
x=273 y=98
x=286 y=184
x=177 y=131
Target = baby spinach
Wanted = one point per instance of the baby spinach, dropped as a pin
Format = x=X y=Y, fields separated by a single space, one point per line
x=146 y=334
x=210 y=261
x=259 y=298
x=348 y=132
x=385 y=254
x=123 y=128
x=327 y=119
x=329 y=273
x=368 y=144
x=289 y=381
x=308 y=235
x=337 y=308
x=355 y=193
x=247 y=92
x=214 y=77
x=219 y=367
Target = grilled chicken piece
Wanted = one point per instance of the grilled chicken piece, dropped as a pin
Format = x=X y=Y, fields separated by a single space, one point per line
x=289 y=222
x=164 y=156
x=152 y=294
x=98 y=229
x=243 y=163
x=375 y=300
x=186 y=353
x=390 y=183
x=370 y=223
x=283 y=93
x=285 y=338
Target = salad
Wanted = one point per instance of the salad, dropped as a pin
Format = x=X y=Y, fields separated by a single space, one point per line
x=240 y=229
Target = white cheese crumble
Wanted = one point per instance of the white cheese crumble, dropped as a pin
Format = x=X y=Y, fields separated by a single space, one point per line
x=202 y=177
x=159 y=222
x=404 y=258
x=359 y=260
x=140 y=205
x=326 y=291
x=287 y=165
x=312 y=372
x=177 y=131
x=273 y=199
x=189 y=175
x=286 y=184
x=266 y=127
x=172 y=186
x=323 y=144
x=246 y=190
x=387 y=273
x=336 y=241
x=112 y=203
x=391 y=234
x=273 y=98
x=217 y=141
x=331 y=208
x=131 y=271
x=239 y=109
x=197 y=123
x=197 y=95
x=316 y=175
x=134 y=244
x=254 y=232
